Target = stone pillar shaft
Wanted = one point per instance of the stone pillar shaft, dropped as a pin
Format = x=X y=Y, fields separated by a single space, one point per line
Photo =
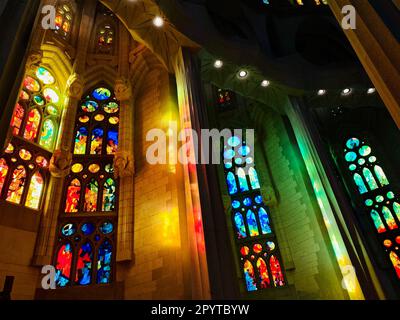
x=377 y=49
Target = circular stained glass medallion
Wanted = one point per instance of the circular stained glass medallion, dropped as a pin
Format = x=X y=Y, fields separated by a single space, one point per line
x=111 y=107
x=25 y=154
x=87 y=228
x=68 y=230
x=350 y=156
x=51 y=95
x=106 y=227
x=44 y=75
x=365 y=151
x=101 y=94
x=352 y=143
x=94 y=168
x=90 y=106
x=31 y=84
x=77 y=167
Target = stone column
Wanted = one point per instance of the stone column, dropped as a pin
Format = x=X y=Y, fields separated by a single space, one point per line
x=59 y=168
x=377 y=49
x=124 y=170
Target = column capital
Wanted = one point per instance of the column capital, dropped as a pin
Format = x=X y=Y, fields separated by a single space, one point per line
x=123 y=89
x=34 y=57
x=75 y=86
x=123 y=164
x=60 y=163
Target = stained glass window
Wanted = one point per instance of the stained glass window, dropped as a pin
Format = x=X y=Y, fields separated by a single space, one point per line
x=37 y=112
x=3 y=172
x=375 y=193
x=104 y=262
x=64 y=20
x=105 y=39
x=91 y=190
x=16 y=187
x=225 y=99
x=63 y=265
x=84 y=264
x=250 y=216
x=35 y=191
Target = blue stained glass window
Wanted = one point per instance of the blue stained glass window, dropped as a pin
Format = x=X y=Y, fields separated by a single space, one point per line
x=230 y=180
x=249 y=276
x=383 y=180
x=229 y=154
x=244 y=151
x=240 y=227
x=242 y=180
x=352 y=143
x=264 y=221
x=84 y=265
x=252 y=223
x=235 y=204
x=254 y=182
x=88 y=228
x=101 y=94
x=234 y=141
x=68 y=230
x=112 y=141
x=258 y=199
x=107 y=227
x=247 y=202
x=104 y=263
x=370 y=179
x=97 y=141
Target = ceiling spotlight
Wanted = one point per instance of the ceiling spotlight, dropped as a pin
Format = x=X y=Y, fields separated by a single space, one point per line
x=265 y=83
x=321 y=92
x=346 y=91
x=158 y=21
x=218 y=64
x=243 y=74
x=371 y=90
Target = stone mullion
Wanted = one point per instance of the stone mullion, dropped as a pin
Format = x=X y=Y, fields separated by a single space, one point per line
x=124 y=170
x=59 y=169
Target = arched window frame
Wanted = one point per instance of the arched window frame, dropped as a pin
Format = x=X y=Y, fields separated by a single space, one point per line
x=38 y=162
x=65 y=12
x=260 y=245
x=86 y=167
x=378 y=202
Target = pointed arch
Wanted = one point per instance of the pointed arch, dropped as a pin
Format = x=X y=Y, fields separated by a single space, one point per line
x=63 y=264
x=243 y=186
x=32 y=125
x=277 y=275
x=231 y=182
x=240 y=225
x=252 y=223
x=109 y=195
x=249 y=276
x=104 y=265
x=35 y=191
x=91 y=195
x=263 y=272
x=254 y=182
x=360 y=183
x=48 y=134
x=380 y=174
x=17 y=184
x=370 y=179
x=84 y=264
x=73 y=196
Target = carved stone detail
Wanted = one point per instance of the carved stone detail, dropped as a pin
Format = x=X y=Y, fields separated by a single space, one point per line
x=123 y=164
x=33 y=59
x=75 y=86
x=123 y=89
x=60 y=163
